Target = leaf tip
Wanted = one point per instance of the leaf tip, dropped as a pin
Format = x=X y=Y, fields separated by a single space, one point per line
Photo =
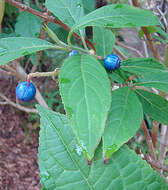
x=106 y=160
x=89 y=162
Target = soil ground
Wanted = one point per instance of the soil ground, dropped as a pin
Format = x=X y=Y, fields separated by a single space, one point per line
x=18 y=153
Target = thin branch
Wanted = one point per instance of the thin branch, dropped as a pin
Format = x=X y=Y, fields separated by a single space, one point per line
x=145 y=49
x=117 y=51
x=130 y=48
x=46 y=17
x=22 y=108
x=155 y=133
x=163 y=143
x=166 y=56
x=42 y=74
x=149 y=141
x=148 y=36
x=156 y=164
x=3 y=103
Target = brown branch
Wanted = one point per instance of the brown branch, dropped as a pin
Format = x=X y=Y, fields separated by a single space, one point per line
x=148 y=36
x=166 y=56
x=155 y=133
x=22 y=108
x=46 y=17
x=163 y=143
x=149 y=141
x=156 y=164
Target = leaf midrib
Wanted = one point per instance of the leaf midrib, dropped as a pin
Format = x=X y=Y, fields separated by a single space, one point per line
x=76 y=26
x=69 y=152
x=86 y=100
x=152 y=103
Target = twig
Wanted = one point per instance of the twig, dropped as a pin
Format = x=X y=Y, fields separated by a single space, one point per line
x=163 y=16
x=148 y=36
x=130 y=48
x=42 y=74
x=117 y=51
x=156 y=164
x=145 y=49
x=166 y=56
x=46 y=17
x=22 y=108
x=155 y=133
x=3 y=103
x=149 y=141
x=163 y=143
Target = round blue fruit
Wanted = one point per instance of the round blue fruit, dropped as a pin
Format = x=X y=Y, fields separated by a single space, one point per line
x=112 y=62
x=25 y=92
x=73 y=52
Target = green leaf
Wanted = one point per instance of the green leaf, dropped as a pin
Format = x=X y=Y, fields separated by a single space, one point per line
x=86 y=93
x=68 y=11
x=116 y=76
x=63 y=167
x=123 y=121
x=155 y=80
x=142 y=66
x=154 y=105
x=12 y=48
x=28 y=25
x=89 y=6
x=104 y=40
x=117 y=16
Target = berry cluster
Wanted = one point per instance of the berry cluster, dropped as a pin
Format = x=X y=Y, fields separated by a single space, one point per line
x=73 y=52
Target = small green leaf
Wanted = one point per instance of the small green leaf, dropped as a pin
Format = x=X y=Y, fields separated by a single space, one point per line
x=86 y=93
x=123 y=121
x=117 y=16
x=142 y=66
x=155 y=80
x=28 y=25
x=12 y=48
x=104 y=40
x=154 y=105
x=63 y=167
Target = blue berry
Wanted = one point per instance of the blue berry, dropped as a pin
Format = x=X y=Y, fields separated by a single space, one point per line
x=73 y=52
x=112 y=62
x=25 y=92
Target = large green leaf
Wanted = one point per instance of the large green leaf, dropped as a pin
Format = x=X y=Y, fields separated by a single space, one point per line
x=28 y=25
x=85 y=90
x=118 y=16
x=142 y=66
x=155 y=80
x=123 y=121
x=154 y=105
x=63 y=167
x=68 y=11
x=104 y=40
x=12 y=48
